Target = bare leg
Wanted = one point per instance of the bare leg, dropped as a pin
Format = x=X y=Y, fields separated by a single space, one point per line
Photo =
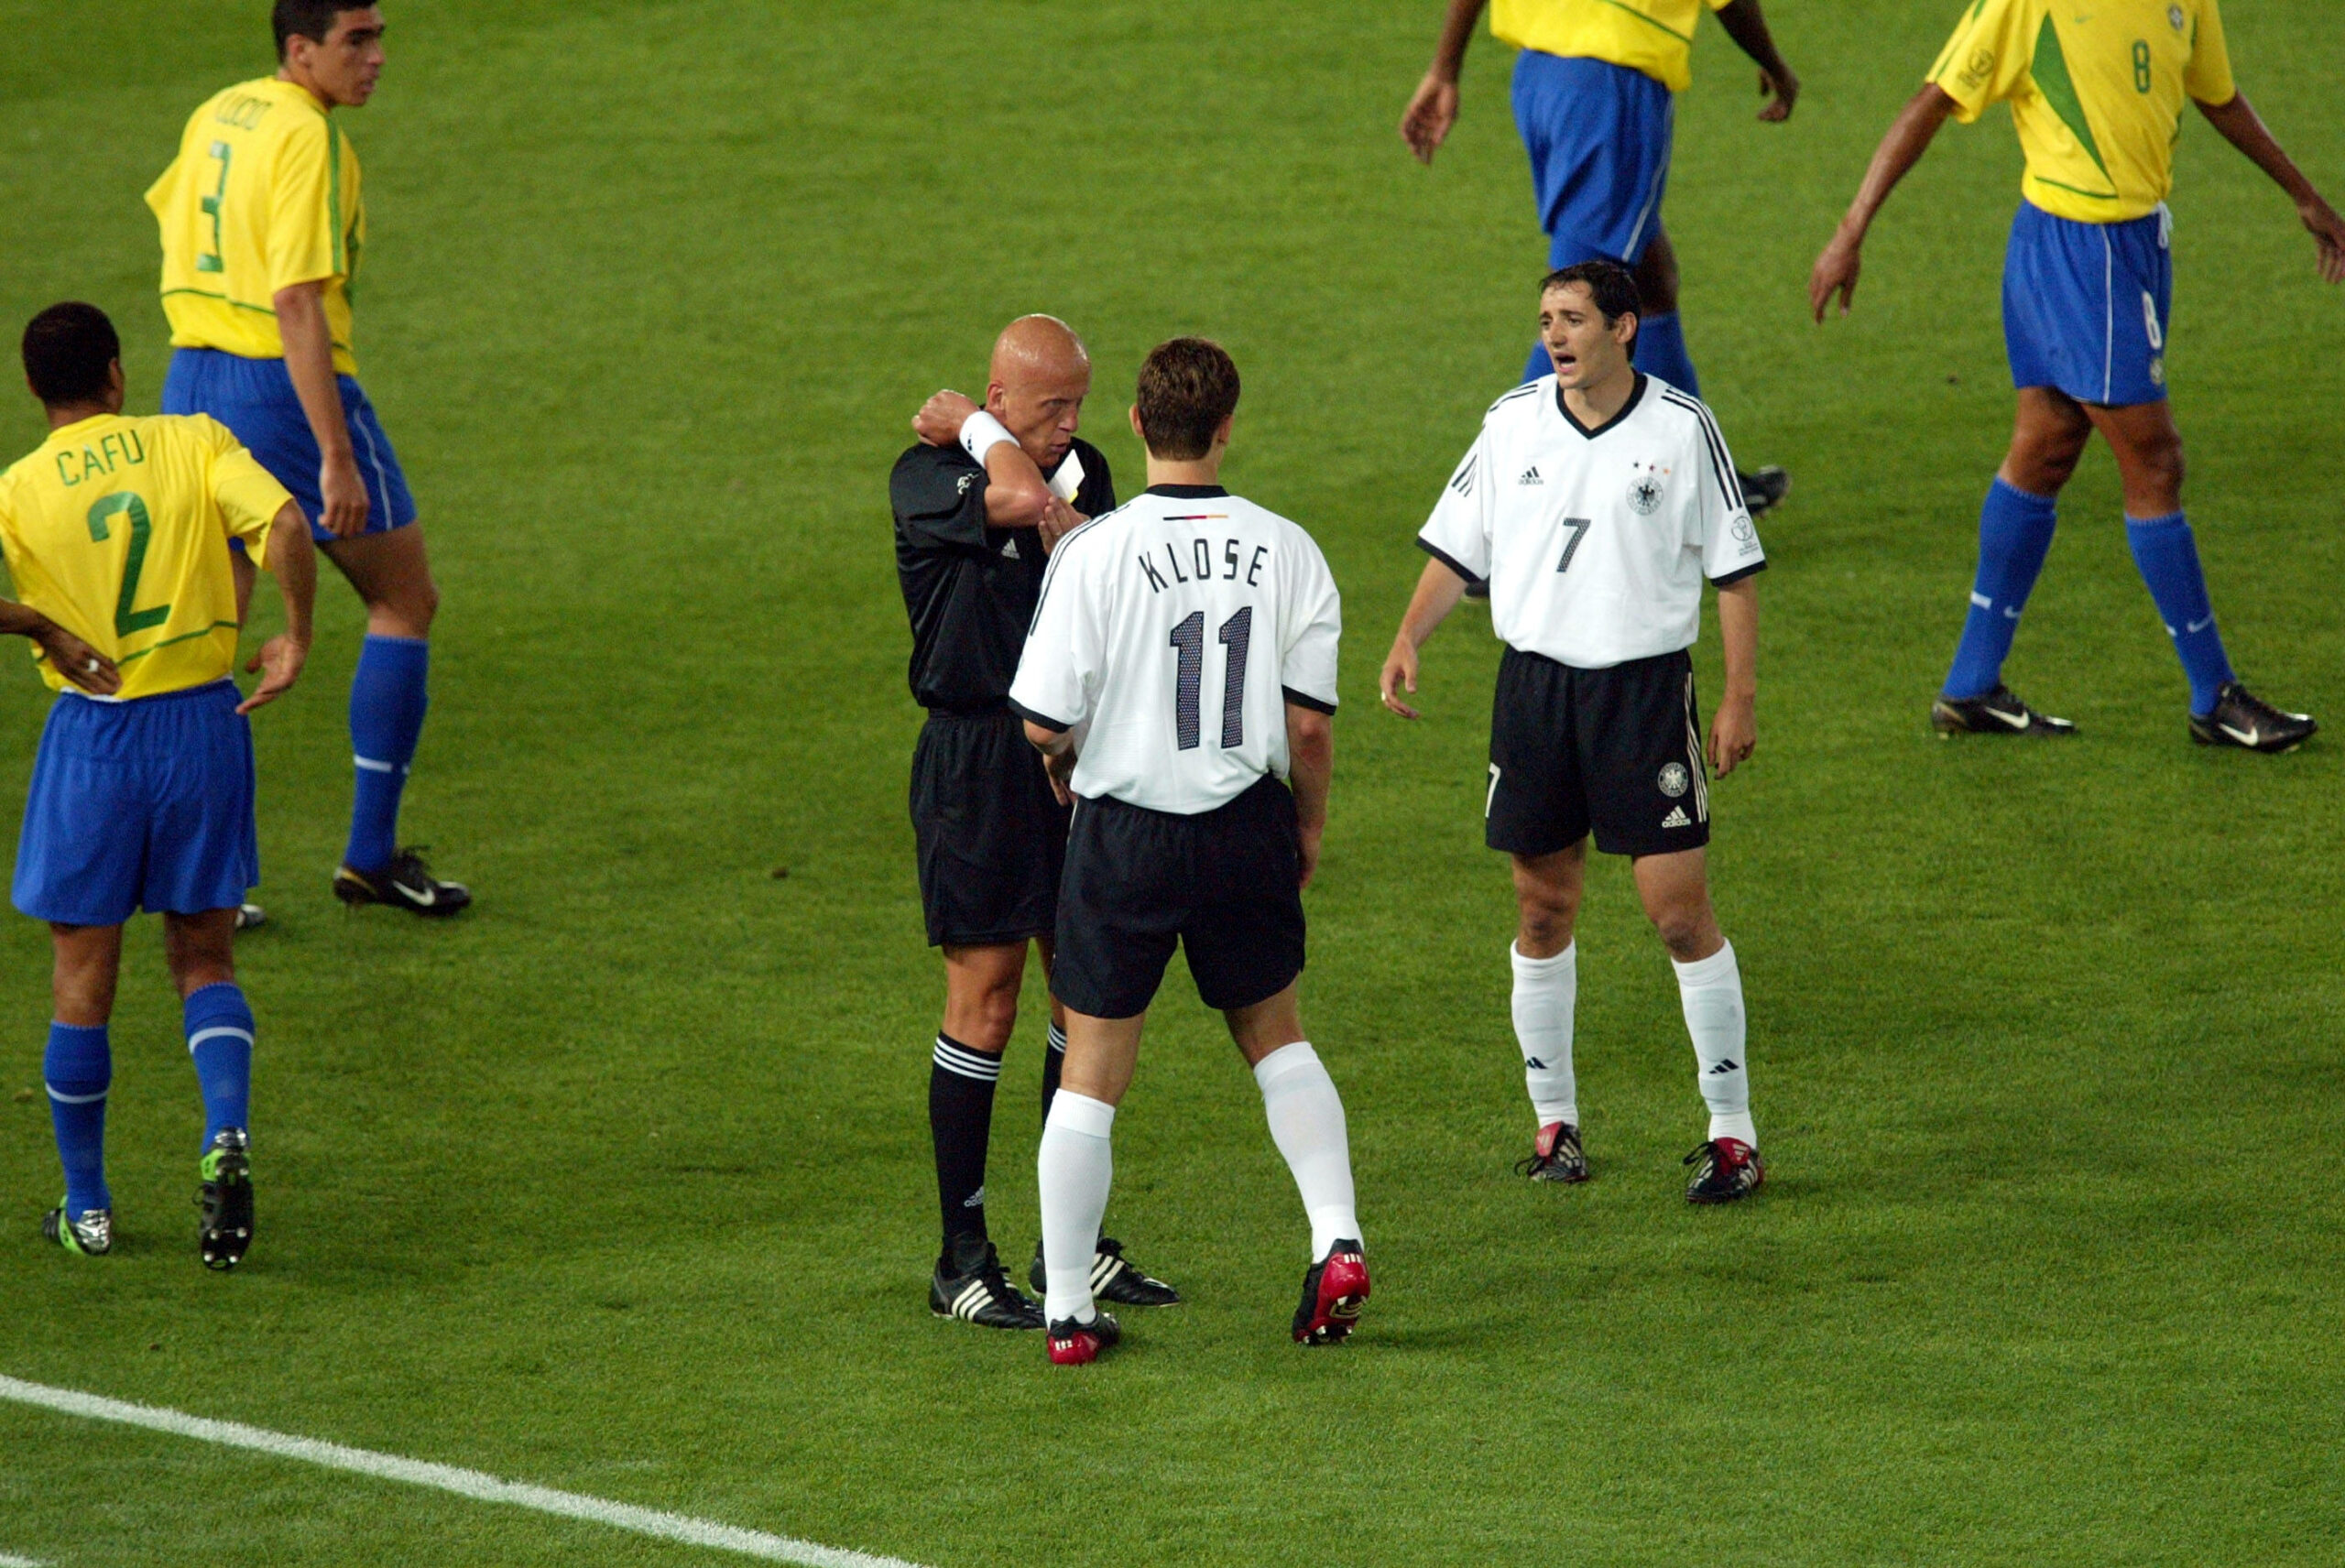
x=88 y=962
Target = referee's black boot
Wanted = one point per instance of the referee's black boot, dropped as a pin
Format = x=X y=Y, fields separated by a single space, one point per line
x=407 y=883
x=1114 y=1277
x=976 y=1289
x=1999 y=712
x=2245 y=720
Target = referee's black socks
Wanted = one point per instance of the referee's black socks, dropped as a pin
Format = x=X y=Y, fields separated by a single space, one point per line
x=960 y=1123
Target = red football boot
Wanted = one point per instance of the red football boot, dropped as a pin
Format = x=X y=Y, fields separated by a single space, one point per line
x=1331 y=1293
x=1073 y=1343
x=1728 y=1169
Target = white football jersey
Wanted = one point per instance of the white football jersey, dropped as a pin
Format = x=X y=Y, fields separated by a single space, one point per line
x=1595 y=542
x=1170 y=635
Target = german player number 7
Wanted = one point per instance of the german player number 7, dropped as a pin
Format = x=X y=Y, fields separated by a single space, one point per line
x=1578 y=526
x=1189 y=679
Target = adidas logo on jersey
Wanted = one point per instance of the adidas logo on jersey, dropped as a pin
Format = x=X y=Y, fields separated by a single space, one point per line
x=1678 y=818
x=1010 y=549
x=1531 y=476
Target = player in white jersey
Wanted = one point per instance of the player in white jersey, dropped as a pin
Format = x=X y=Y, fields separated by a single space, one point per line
x=1595 y=503
x=1179 y=677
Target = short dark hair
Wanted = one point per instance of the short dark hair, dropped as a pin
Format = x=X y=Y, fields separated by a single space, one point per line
x=68 y=350
x=1609 y=283
x=1187 y=387
x=311 y=19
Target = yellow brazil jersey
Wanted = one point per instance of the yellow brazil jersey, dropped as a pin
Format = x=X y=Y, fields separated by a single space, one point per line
x=263 y=195
x=2096 y=88
x=117 y=529
x=1655 y=36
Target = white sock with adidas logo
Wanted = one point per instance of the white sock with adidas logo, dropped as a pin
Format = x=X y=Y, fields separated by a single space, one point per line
x=1711 y=992
x=1546 y=992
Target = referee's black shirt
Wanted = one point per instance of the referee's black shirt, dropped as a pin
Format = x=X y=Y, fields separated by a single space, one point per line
x=970 y=588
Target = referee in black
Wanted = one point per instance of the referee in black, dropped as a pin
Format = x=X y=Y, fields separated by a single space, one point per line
x=978 y=501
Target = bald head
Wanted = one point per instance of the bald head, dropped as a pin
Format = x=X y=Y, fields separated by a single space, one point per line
x=1034 y=346
x=1040 y=376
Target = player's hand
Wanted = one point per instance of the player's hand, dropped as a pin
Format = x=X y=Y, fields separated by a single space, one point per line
x=1059 y=769
x=1836 y=272
x=280 y=663
x=1734 y=735
x=1433 y=109
x=344 y=494
x=78 y=663
x=1400 y=671
x=1785 y=89
x=2329 y=230
x=1058 y=522
x=1307 y=840
x=939 y=419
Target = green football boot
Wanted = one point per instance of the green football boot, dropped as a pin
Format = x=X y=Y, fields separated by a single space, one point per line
x=224 y=1199
x=90 y=1234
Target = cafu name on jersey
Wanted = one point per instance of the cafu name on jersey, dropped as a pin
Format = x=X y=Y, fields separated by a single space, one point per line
x=1199 y=564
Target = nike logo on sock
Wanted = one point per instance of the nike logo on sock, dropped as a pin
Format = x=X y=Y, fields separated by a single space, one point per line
x=2195 y=627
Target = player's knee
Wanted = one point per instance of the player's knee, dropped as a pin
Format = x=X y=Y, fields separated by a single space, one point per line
x=1685 y=927
x=1546 y=925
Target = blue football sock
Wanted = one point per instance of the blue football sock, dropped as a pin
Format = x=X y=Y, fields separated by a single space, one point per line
x=1661 y=351
x=2015 y=535
x=388 y=697
x=79 y=1067
x=2167 y=555
x=220 y=1038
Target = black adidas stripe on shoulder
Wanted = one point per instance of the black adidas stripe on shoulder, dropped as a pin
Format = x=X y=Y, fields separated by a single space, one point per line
x=1522 y=391
x=1730 y=486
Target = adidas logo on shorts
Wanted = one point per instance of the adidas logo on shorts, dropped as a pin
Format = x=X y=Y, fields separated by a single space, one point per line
x=1678 y=818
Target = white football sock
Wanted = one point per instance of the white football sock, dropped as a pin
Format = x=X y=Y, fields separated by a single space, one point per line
x=1711 y=990
x=1075 y=1167
x=1306 y=1118
x=1546 y=992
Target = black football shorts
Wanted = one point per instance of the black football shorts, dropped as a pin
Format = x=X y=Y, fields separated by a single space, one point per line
x=1222 y=884
x=992 y=836
x=1617 y=751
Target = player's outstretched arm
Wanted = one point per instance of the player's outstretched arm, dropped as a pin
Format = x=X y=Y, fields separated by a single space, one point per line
x=1438 y=591
x=1017 y=496
x=1311 y=771
x=2243 y=128
x=309 y=360
x=1433 y=108
x=293 y=561
x=66 y=654
x=1778 y=83
x=1734 y=728
x=1909 y=137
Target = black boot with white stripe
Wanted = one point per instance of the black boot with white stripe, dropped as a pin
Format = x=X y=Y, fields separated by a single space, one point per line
x=977 y=1291
x=1114 y=1278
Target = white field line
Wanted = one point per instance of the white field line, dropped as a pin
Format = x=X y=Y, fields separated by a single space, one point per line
x=472 y=1484
x=9 y=1562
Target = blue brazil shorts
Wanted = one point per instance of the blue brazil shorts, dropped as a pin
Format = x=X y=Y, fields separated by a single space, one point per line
x=2085 y=305
x=254 y=398
x=1599 y=137
x=144 y=804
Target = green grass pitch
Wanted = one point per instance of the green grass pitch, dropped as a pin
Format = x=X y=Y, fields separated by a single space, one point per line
x=620 y=1183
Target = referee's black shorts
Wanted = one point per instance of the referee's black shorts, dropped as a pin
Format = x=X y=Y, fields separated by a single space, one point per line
x=1617 y=751
x=1225 y=884
x=992 y=836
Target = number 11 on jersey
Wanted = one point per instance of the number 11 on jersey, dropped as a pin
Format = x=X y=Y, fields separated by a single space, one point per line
x=1188 y=681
